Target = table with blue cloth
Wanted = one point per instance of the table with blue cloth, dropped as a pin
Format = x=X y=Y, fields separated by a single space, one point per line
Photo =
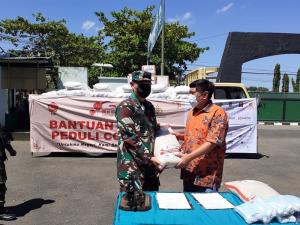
x=195 y=216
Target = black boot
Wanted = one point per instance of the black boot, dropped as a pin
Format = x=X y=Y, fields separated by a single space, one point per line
x=6 y=216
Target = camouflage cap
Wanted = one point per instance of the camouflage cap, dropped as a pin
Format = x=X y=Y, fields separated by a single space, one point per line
x=141 y=76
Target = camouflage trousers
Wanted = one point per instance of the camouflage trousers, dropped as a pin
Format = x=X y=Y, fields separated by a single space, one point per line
x=147 y=184
x=3 y=179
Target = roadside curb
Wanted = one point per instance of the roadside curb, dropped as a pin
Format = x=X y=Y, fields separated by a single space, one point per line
x=280 y=123
x=21 y=135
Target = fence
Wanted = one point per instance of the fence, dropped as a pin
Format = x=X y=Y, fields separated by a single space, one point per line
x=283 y=107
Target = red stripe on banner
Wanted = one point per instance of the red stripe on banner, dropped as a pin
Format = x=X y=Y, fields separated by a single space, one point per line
x=228 y=186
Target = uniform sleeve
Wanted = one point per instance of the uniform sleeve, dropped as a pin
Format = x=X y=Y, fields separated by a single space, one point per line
x=218 y=128
x=153 y=118
x=129 y=135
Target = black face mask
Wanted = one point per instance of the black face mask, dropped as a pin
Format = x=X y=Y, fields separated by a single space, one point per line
x=144 y=90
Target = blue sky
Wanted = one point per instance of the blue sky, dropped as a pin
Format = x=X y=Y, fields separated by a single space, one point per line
x=210 y=19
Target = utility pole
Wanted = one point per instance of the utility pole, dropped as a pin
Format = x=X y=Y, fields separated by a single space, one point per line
x=163 y=41
x=162 y=65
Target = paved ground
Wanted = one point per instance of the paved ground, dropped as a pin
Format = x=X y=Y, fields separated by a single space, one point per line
x=75 y=189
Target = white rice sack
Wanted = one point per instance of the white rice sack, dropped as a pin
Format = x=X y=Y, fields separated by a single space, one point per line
x=74 y=93
x=119 y=89
x=250 y=189
x=165 y=148
x=159 y=95
x=171 y=92
x=73 y=85
x=50 y=93
x=118 y=95
x=127 y=88
x=100 y=94
x=101 y=87
x=183 y=97
x=158 y=88
x=182 y=90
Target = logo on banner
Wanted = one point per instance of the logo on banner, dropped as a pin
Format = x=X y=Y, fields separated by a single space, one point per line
x=244 y=118
x=52 y=107
x=158 y=110
x=36 y=146
x=92 y=112
x=251 y=106
x=105 y=108
x=180 y=106
x=99 y=105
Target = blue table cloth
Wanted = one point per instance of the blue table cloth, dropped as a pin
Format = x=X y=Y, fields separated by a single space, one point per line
x=195 y=216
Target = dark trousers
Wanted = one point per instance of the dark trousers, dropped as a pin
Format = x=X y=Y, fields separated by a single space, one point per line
x=2 y=182
x=2 y=193
x=188 y=186
x=151 y=184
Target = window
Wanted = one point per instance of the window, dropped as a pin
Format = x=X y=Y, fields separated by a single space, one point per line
x=229 y=93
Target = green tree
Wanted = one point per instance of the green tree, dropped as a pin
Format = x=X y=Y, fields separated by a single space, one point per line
x=296 y=84
x=127 y=35
x=285 y=83
x=259 y=89
x=276 y=78
x=50 y=38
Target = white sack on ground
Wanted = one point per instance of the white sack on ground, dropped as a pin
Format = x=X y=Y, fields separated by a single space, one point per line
x=158 y=88
x=64 y=92
x=101 y=87
x=126 y=88
x=182 y=89
x=73 y=85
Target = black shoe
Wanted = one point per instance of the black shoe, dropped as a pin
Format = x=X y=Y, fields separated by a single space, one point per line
x=7 y=216
x=145 y=205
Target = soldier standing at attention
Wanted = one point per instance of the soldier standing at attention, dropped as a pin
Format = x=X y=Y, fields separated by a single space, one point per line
x=5 y=139
x=136 y=124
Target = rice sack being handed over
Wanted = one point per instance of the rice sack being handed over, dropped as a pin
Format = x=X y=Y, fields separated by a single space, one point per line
x=165 y=148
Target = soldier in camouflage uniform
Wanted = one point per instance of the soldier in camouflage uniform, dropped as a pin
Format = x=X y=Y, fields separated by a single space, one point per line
x=5 y=139
x=136 y=166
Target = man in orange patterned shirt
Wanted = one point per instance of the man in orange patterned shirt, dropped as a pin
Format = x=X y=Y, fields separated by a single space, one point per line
x=204 y=146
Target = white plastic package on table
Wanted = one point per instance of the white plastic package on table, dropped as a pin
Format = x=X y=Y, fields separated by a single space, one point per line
x=256 y=210
x=283 y=207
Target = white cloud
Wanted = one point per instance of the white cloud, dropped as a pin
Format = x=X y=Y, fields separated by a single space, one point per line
x=87 y=25
x=187 y=16
x=225 y=8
